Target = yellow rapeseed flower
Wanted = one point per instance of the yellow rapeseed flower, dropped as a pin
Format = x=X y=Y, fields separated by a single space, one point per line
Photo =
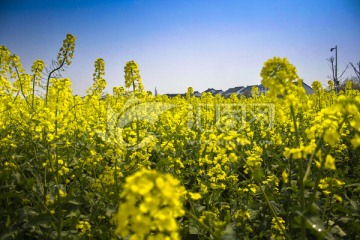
x=159 y=201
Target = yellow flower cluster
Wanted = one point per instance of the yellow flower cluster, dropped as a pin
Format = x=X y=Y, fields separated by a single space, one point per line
x=84 y=228
x=277 y=227
x=281 y=78
x=67 y=50
x=98 y=77
x=253 y=159
x=107 y=179
x=132 y=76
x=152 y=202
x=300 y=152
x=86 y=160
x=61 y=167
x=330 y=186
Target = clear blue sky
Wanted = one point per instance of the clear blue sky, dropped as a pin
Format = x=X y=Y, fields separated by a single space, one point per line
x=177 y=44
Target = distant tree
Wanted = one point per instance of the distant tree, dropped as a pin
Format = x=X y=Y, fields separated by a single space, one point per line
x=335 y=79
x=353 y=83
x=356 y=69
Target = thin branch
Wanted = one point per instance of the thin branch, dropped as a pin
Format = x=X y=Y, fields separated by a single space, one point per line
x=331 y=60
x=347 y=66
x=357 y=72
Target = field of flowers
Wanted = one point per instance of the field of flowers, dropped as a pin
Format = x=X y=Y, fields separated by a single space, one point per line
x=131 y=165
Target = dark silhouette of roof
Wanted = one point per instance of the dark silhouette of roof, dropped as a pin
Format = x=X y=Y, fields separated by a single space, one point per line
x=248 y=88
x=213 y=91
x=232 y=90
x=239 y=90
x=218 y=92
x=210 y=90
x=171 y=95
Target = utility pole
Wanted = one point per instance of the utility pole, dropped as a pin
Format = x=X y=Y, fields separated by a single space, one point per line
x=336 y=82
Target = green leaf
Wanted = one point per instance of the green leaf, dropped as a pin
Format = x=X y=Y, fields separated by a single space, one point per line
x=8 y=221
x=229 y=233
x=353 y=185
x=9 y=235
x=75 y=213
x=46 y=219
x=337 y=230
x=10 y=195
x=75 y=202
x=193 y=230
x=353 y=204
x=110 y=210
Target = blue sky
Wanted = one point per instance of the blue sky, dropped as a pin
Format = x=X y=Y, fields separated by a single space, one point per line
x=177 y=44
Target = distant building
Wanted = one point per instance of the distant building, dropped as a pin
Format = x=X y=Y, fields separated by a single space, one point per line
x=307 y=88
x=220 y=92
x=246 y=91
x=197 y=94
x=230 y=91
x=262 y=89
x=239 y=91
x=214 y=91
x=210 y=90
x=172 y=95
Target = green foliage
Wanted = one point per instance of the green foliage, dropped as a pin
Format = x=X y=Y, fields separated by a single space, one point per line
x=261 y=167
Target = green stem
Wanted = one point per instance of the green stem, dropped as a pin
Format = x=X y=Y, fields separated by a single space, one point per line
x=203 y=225
x=21 y=86
x=49 y=77
x=116 y=181
x=318 y=177
x=33 y=91
x=287 y=236
x=322 y=163
x=301 y=175
x=137 y=120
x=324 y=210
x=59 y=212
x=307 y=172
